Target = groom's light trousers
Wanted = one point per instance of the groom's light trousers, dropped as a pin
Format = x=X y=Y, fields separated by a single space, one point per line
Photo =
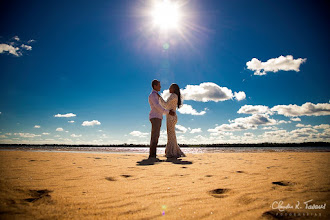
x=156 y=123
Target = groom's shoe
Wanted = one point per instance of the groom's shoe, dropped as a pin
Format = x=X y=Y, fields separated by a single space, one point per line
x=154 y=159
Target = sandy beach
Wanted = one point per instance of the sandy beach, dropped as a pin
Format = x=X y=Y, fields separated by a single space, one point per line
x=67 y=185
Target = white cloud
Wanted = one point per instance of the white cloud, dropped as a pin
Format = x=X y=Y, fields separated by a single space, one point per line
x=104 y=136
x=10 y=49
x=232 y=127
x=220 y=133
x=138 y=134
x=239 y=95
x=75 y=135
x=283 y=122
x=16 y=38
x=275 y=64
x=295 y=119
x=248 y=134
x=270 y=128
x=37 y=126
x=308 y=109
x=254 y=109
x=256 y=119
x=196 y=130
x=251 y=122
x=68 y=115
x=275 y=136
x=303 y=132
x=205 y=92
x=91 y=123
x=180 y=129
x=59 y=129
x=188 y=109
x=46 y=133
x=71 y=121
x=27 y=135
x=303 y=126
x=26 y=47
x=322 y=126
x=31 y=41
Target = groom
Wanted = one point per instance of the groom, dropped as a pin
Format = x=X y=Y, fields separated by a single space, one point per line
x=155 y=117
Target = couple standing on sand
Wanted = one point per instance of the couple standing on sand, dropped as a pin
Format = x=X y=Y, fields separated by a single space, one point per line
x=160 y=107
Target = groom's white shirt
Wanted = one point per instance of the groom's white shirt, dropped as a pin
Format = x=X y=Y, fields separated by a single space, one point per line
x=157 y=110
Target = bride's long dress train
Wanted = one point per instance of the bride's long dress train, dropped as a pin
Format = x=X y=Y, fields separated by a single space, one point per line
x=172 y=148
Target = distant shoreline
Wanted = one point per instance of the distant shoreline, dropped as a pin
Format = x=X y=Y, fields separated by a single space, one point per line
x=304 y=144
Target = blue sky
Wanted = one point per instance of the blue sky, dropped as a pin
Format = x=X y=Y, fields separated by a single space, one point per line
x=96 y=60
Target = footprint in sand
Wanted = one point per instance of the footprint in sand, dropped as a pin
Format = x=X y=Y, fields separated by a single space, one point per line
x=219 y=193
x=110 y=179
x=126 y=175
x=240 y=171
x=42 y=195
x=283 y=183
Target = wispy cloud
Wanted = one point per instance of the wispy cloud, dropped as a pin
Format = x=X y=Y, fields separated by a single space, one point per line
x=68 y=115
x=188 y=109
x=26 y=47
x=196 y=130
x=27 y=135
x=71 y=121
x=286 y=63
x=75 y=135
x=91 y=123
x=37 y=126
x=138 y=134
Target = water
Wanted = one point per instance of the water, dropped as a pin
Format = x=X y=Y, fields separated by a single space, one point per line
x=161 y=150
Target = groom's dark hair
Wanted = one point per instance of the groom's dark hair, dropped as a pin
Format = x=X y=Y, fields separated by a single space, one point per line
x=154 y=82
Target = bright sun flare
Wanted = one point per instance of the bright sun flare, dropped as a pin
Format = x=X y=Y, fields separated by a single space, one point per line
x=166 y=15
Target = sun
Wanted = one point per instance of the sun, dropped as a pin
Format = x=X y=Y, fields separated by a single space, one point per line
x=166 y=15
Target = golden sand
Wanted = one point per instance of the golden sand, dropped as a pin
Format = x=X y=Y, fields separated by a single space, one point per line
x=57 y=185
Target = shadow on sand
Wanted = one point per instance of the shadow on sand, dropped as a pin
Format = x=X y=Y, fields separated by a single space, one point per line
x=148 y=161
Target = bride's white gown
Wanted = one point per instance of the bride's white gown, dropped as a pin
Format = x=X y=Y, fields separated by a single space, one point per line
x=172 y=148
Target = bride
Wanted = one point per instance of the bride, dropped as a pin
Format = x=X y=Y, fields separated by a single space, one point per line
x=172 y=149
